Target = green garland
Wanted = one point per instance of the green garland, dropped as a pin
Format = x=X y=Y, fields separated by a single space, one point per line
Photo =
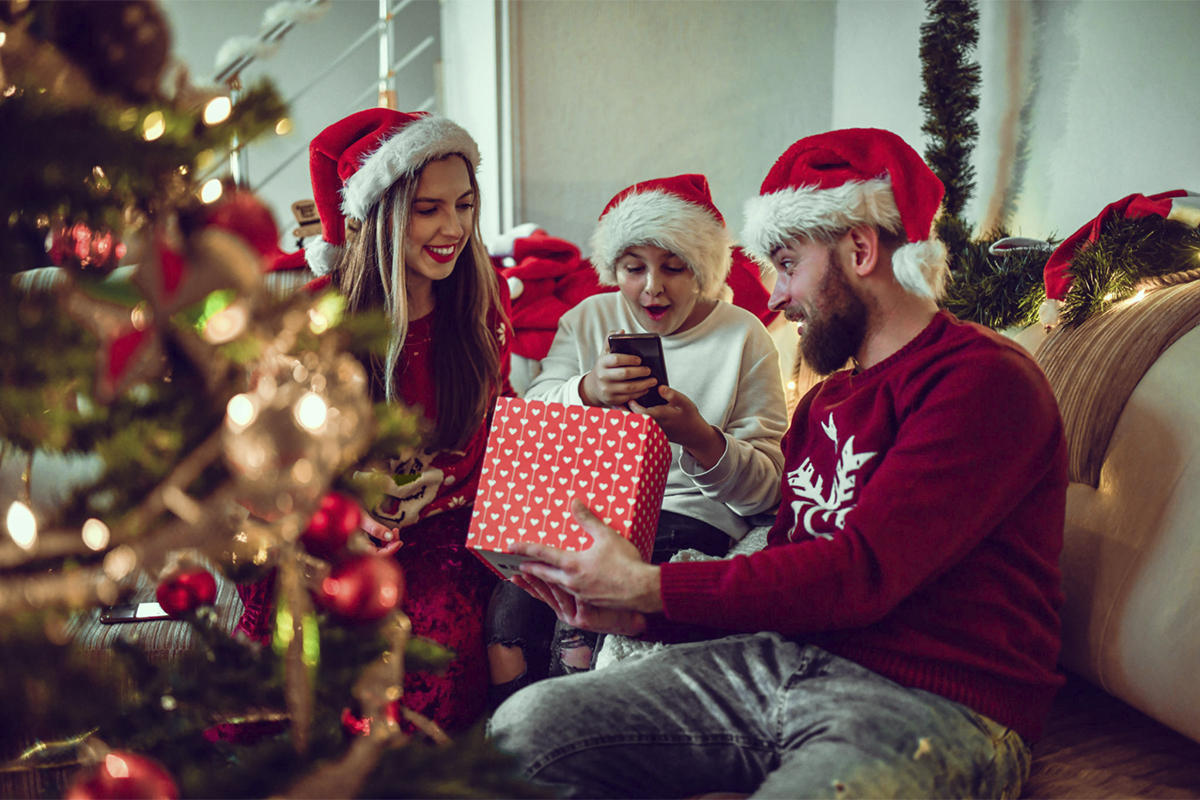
x=950 y=100
x=1006 y=290
x=1129 y=255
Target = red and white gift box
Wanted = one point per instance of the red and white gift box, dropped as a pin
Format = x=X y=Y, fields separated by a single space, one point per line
x=540 y=456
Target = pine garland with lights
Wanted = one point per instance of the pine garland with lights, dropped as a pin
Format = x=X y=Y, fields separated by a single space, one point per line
x=1131 y=255
x=950 y=99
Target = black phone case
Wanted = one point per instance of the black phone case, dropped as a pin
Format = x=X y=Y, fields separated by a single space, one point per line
x=647 y=347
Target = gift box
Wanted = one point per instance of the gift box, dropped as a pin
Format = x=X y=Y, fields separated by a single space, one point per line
x=540 y=456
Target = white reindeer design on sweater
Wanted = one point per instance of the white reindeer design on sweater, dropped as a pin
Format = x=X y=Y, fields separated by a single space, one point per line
x=813 y=502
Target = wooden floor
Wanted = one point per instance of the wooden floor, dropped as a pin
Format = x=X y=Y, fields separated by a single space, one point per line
x=1095 y=746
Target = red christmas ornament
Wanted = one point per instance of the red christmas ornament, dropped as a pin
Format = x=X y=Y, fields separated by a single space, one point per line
x=124 y=776
x=355 y=725
x=185 y=590
x=330 y=527
x=362 y=589
x=80 y=246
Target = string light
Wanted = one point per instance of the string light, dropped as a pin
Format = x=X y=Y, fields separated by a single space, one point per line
x=791 y=386
x=1141 y=293
x=211 y=191
x=311 y=411
x=22 y=526
x=241 y=411
x=283 y=127
x=217 y=110
x=116 y=766
x=95 y=534
x=154 y=126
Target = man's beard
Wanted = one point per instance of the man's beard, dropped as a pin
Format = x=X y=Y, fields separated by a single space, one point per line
x=837 y=326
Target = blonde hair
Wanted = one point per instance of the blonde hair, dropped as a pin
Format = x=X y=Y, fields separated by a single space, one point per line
x=466 y=360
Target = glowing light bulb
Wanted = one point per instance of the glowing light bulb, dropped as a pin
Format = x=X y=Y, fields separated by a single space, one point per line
x=116 y=766
x=226 y=325
x=318 y=322
x=22 y=526
x=217 y=110
x=311 y=411
x=154 y=126
x=1108 y=297
x=791 y=386
x=211 y=191
x=241 y=410
x=95 y=534
x=1141 y=294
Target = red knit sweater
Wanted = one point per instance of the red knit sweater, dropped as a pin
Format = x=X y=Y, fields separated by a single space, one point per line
x=920 y=528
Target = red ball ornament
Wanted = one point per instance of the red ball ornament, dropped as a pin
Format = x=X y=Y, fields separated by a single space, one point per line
x=124 y=776
x=185 y=590
x=355 y=725
x=81 y=247
x=330 y=527
x=363 y=589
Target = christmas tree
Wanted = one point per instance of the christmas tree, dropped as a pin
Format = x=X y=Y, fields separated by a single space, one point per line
x=232 y=427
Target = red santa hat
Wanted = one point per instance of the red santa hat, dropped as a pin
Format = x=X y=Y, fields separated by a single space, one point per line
x=828 y=183
x=1178 y=206
x=355 y=160
x=676 y=214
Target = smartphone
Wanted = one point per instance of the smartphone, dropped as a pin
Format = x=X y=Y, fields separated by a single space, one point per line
x=647 y=347
x=132 y=612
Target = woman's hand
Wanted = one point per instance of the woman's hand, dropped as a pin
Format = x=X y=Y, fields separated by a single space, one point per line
x=385 y=540
x=681 y=422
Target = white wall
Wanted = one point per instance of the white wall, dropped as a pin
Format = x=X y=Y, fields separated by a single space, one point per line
x=200 y=27
x=609 y=93
x=1115 y=111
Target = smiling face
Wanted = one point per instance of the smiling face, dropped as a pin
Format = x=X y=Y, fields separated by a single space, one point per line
x=440 y=222
x=661 y=289
x=812 y=290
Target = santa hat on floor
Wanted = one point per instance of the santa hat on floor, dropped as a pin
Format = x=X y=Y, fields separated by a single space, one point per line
x=829 y=183
x=676 y=214
x=354 y=161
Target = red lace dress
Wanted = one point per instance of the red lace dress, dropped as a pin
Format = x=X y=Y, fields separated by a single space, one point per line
x=447 y=586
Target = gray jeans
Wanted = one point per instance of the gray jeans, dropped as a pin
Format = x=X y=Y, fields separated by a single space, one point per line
x=753 y=713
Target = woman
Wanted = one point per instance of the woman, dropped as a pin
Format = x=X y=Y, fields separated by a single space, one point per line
x=664 y=245
x=398 y=202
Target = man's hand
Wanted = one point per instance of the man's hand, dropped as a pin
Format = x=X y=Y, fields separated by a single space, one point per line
x=610 y=574
x=579 y=614
x=681 y=422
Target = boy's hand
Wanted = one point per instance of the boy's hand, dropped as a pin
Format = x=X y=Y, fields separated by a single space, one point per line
x=616 y=379
x=681 y=422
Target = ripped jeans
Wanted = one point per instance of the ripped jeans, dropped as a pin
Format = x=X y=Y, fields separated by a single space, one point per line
x=516 y=620
x=754 y=714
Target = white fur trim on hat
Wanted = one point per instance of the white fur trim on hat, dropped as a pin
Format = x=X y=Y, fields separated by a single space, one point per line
x=321 y=255
x=404 y=153
x=670 y=222
x=773 y=219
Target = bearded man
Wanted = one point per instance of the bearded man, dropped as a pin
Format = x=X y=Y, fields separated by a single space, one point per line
x=899 y=634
